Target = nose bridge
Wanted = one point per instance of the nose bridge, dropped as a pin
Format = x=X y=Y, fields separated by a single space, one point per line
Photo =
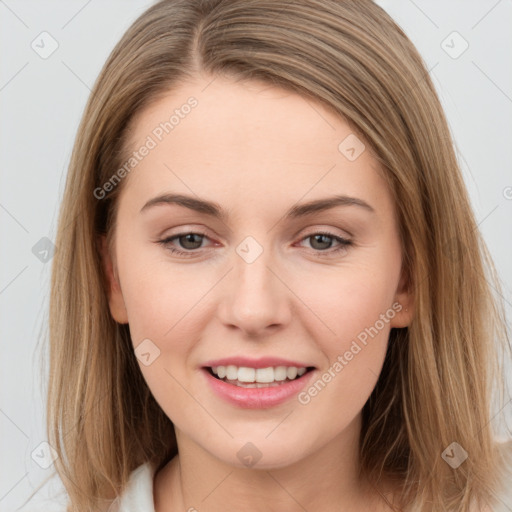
x=256 y=299
x=252 y=267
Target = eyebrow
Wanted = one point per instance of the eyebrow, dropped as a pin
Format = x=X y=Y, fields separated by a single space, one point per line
x=215 y=210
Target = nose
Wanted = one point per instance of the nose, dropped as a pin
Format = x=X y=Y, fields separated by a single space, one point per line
x=255 y=299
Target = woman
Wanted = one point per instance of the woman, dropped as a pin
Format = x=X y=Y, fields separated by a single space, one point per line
x=207 y=350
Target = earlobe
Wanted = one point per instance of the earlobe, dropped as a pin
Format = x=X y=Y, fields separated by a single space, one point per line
x=115 y=295
x=403 y=303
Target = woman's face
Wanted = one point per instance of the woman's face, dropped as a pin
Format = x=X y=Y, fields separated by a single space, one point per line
x=275 y=271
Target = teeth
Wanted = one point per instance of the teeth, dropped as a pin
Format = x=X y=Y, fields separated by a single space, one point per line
x=280 y=373
x=263 y=375
x=231 y=372
x=258 y=375
x=246 y=374
x=291 y=372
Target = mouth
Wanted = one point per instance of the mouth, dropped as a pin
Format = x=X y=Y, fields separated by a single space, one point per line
x=257 y=383
x=249 y=377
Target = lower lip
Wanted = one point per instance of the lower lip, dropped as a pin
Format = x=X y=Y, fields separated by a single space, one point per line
x=257 y=398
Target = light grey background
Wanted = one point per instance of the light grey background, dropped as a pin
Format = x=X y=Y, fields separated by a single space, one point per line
x=42 y=102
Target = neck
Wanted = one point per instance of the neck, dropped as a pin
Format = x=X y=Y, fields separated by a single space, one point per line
x=325 y=480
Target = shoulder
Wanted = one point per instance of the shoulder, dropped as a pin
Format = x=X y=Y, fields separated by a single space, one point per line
x=138 y=493
x=137 y=496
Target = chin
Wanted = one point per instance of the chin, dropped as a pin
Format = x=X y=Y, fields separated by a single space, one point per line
x=264 y=455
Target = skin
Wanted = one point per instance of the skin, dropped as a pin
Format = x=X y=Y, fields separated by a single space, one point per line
x=293 y=301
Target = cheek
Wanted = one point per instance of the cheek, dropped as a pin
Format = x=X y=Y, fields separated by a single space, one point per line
x=348 y=301
x=161 y=298
x=355 y=309
x=164 y=306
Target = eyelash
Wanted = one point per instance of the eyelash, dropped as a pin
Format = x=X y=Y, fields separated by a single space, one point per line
x=343 y=243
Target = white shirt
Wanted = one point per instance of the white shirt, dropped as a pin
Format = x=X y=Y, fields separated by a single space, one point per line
x=138 y=494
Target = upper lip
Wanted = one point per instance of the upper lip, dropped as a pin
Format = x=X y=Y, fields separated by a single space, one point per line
x=262 y=362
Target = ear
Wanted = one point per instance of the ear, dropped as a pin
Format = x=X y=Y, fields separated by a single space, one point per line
x=115 y=295
x=405 y=299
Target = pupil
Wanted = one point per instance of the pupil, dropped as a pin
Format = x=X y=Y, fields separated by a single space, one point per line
x=189 y=239
x=316 y=237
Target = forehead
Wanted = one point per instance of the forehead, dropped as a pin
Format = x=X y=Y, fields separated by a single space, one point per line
x=250 y=140
x=242 y=116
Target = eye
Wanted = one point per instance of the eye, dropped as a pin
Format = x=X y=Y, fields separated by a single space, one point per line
x=321 y=242
x=190 y=242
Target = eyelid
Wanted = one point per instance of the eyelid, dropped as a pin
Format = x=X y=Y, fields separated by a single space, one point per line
x=319 y=228
x=343 y=243
x=302 y=233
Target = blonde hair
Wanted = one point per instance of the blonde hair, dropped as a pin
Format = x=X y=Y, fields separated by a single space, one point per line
x=436 y=384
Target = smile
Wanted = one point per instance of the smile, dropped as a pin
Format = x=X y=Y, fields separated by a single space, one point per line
x=247 y=377
x=257 y=384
